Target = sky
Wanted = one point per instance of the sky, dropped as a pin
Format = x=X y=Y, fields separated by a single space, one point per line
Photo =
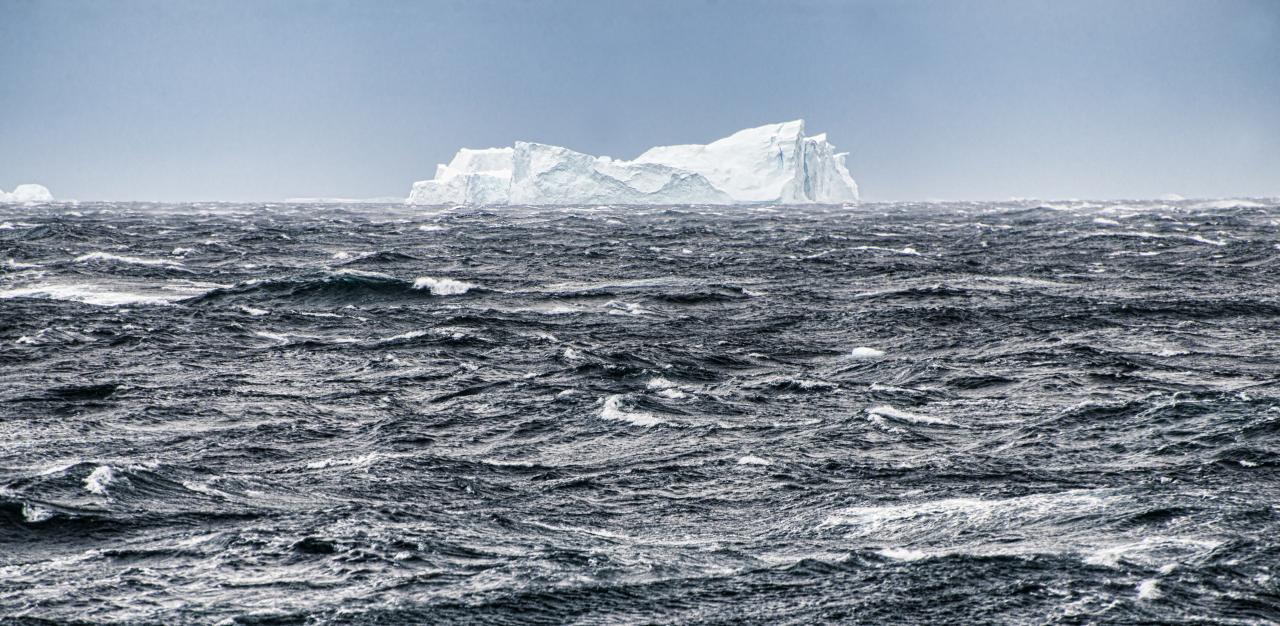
x=258 y=100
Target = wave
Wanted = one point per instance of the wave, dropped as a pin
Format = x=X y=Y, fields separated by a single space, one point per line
x=613 y=409
x=379 y=258
x=112 y=294
x=1091 y=524
x=886 y=411
x=107 y=257
x=442 y=286
x=672 y=289
x=1132 y=234
x=333 y=288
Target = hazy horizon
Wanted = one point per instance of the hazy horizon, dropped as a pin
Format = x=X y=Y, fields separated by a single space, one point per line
x=237 y=101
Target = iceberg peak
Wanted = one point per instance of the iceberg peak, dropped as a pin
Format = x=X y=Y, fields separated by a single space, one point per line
x=775 y=163
x=29 y=193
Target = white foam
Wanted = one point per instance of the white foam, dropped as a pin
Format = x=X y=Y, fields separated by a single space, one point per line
x=107 y=257
x=865 y=353
x=753 y=460
x=618 y=307
x=613 y=410
x=442 y=286
x=1228 y=204
x=281 y=338
x=908 y=250
x=254 y=312
x=34 y=513
x=1147 y=590
x=903 y=554
x=363 y=460
x=413 y=334
x=346 y=271
x=1148 y=235
x=98 y=480
x=99 y=295
x=31 y=340
x=962 y=518
x=1149 y=551
x=885 y=410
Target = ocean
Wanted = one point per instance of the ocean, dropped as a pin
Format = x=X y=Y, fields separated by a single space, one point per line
x=1012 y=412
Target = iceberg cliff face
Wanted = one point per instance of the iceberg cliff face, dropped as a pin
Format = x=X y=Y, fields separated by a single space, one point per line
x=774 y=164
x=27 y=194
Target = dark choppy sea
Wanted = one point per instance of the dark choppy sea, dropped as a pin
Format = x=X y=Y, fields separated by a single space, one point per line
x=947 y=413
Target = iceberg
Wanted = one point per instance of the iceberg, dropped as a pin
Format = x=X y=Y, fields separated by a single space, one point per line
x=776 y=164
x=27 y=194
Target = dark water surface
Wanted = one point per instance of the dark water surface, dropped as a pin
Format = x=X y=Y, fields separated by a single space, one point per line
x=312 y=415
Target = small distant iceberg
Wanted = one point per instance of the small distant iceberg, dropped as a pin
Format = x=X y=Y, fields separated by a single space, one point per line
x=27 y=194
x=775 y=164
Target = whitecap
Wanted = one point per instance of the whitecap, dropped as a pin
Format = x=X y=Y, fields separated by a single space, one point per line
x=1228 y=204
x=273 y=336
x=1149 y=235
x=908 y=250
x=865 y=353
x=885 y=410
x=107 y=257
x=413 y=334
x=346 y=271
x=363 y=460
x=1147 y=590
x=1149 y=551
x=442 y=286
x=753 y=460
x=98 y=480
x=612 y=409
x=99 y=295
x=34 y=513
x=617 y=307
x=31 y=340
x=903 y=554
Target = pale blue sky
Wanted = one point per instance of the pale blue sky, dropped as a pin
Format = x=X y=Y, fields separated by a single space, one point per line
x=972 y=99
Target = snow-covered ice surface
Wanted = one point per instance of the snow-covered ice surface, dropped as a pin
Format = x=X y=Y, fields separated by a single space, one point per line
x=28 y=193
x=776 y=163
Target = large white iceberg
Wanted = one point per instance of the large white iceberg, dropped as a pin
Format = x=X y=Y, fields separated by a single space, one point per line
x=776 y=163
x=27 y=193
